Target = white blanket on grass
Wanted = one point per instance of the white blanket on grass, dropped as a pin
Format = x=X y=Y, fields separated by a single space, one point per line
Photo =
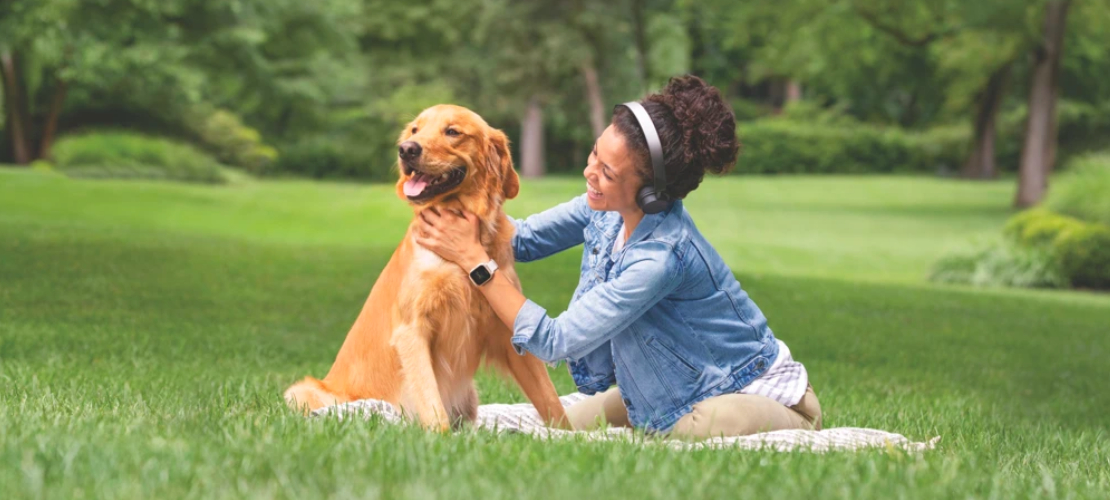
x=523 y=418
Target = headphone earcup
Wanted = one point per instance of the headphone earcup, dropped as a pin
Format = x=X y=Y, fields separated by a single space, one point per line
x=650 y=201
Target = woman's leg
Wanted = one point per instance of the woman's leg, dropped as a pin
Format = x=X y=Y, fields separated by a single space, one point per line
x=744 y=414
x=606 y=407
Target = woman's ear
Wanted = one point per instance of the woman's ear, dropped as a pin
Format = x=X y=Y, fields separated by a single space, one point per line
x=501 y=161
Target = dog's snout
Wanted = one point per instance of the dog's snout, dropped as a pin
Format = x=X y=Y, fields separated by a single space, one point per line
x=409 y=150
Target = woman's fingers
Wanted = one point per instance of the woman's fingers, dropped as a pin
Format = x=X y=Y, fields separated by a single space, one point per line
x=429 y=217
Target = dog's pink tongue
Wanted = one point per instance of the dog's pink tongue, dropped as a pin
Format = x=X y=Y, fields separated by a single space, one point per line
x=415 y=185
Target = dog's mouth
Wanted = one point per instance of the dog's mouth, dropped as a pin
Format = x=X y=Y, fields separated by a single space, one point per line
x=422 y=186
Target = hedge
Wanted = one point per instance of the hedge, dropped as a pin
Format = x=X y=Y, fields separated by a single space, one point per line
x=117 y=154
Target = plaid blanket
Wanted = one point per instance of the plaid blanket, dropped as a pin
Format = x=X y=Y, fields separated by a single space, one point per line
x=523 y=418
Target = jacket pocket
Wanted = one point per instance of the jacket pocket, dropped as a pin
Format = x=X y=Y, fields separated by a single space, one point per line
x=673 y=358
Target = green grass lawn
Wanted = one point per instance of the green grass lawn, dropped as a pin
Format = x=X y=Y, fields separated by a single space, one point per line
x=147 y=330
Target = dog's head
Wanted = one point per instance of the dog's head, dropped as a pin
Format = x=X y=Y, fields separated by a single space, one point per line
x=449 y=150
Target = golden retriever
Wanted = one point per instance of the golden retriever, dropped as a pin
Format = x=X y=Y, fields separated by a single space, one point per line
x=424 y=329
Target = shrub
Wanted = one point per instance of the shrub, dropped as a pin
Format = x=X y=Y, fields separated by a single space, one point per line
x=1001 y=263
x=234 y=143
x=1080 y=249
x=1038 y=227
x=746 y=110
x=778 y=145
x=1084 y=255
x=1084 y=190
x=131 y=155
x=326 y=158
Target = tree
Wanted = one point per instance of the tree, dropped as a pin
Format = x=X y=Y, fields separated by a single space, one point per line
x=32 y=36
x=1039 y=151
x=981 y=160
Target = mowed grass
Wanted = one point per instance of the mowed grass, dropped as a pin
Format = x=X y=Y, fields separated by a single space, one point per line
x=147 y=331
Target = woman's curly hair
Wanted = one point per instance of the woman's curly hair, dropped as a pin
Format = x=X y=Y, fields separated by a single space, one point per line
x=695 y=125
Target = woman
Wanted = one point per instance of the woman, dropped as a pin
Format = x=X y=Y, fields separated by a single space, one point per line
x=656 y=311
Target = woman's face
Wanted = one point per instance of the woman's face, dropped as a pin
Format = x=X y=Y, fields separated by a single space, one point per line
x=611 y=178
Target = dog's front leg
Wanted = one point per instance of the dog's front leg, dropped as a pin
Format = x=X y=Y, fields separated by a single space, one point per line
x=419 y=386
x=532 y=377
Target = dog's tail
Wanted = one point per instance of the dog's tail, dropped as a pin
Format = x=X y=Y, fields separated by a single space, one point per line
x=311 y=394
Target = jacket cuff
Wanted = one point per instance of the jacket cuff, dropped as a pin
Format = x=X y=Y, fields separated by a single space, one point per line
x=527 y=321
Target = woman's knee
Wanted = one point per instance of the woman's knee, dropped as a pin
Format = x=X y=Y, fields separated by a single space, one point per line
x=606 y=408
x=810 y=408
x=737 y=415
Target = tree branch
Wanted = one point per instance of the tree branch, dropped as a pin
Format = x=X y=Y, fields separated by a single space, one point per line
x=900 y=35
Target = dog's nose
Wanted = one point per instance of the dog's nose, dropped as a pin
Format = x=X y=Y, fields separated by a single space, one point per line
x=409 y=150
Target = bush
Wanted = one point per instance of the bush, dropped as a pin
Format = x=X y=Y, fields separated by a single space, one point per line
x=326 y=158
x=234 y=143
x=1080 y=249
x=1040 y=249
x=1001 y=263
x=777 y=145
x=746 y=110
x=1084 y=255
x=1084 y=191
x=1038 y=227
x=131 y=155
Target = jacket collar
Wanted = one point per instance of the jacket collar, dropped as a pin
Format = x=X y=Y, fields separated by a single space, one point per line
x=611 y=222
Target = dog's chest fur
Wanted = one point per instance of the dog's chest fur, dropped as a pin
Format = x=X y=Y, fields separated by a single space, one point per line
x=425 y=260
x=457 y=310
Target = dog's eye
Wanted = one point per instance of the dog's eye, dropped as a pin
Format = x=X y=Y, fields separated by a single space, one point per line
x=452 y=132
x=414 y=130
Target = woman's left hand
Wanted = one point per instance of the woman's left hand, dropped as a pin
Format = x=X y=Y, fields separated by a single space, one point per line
x=452 y=237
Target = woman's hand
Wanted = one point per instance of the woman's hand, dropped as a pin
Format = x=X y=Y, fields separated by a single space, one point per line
x=452 y=237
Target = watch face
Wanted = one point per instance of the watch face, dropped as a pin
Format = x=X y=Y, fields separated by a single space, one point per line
x=480 y=275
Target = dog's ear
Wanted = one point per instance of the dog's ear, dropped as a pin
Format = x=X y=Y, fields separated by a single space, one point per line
x=501 y=160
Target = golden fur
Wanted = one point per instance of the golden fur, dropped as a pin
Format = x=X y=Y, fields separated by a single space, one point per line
x=425 y=328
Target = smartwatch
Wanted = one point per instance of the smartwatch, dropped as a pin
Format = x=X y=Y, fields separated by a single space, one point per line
x=482 y=273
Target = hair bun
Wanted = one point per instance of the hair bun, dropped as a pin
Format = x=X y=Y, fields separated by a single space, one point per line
x=706 y=122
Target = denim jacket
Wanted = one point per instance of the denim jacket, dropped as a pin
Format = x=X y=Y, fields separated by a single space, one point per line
x=664 y=318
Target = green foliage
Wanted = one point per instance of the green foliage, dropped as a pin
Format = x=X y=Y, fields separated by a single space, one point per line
x=42 y=166
x=1084 y=191
x=1041 y=248
x=131 y=155
x=327 y=158
x=235 y=144
x=1084 y=255
x=1001 y=263
x=1038 y=227
x=828 y=146
x=296 y=71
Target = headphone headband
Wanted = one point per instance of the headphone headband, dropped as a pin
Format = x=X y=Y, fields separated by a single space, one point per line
x=654 y=146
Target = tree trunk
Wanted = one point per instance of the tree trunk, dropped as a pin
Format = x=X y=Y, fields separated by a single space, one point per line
x=776 y=93
x=51 y=125
x=793 y=91
x=1038 y=151
x=640 y=41
x=15 y=105
x=1051 y=139
x=593 y=94
x=980 y=163
x=531 y=140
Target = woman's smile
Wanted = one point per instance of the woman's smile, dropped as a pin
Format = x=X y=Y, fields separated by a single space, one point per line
x=593 y=193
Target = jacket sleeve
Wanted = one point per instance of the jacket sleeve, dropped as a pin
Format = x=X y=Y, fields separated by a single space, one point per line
x=604 y=311
x=551 y=231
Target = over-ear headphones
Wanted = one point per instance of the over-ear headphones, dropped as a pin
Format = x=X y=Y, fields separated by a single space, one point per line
x=652 y=199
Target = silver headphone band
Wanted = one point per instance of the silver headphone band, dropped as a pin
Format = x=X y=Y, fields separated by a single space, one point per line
x=654 y=146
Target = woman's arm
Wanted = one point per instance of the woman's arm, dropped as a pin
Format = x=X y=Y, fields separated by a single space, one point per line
x=551 y=231
x=649 y=274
